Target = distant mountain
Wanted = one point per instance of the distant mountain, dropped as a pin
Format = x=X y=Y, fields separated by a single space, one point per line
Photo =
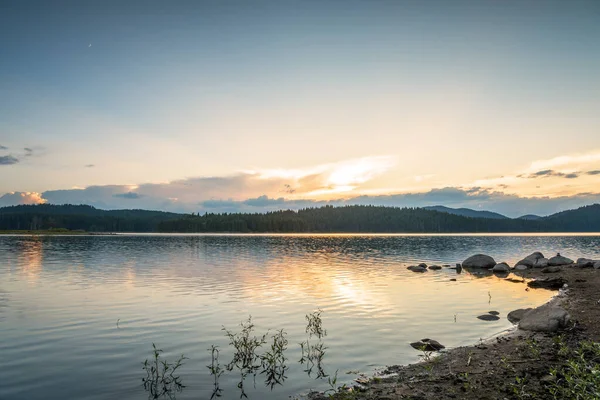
x=328 y=219
x=530 y=217
x=467 y=212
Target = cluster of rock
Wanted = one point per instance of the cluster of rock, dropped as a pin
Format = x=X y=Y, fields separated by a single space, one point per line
x=534 y=260
x=423 y=267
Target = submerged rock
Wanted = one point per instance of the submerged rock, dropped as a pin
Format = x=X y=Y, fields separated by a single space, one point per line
x=479 y=261
x=516 y=315
x=546 y=318
x=501 y=267
x=494 y=312
x=435 y=267
x=559 y=260
x=417 y=268
x=423 y=265
x=547 y=283
x=488 y=317
x=428 y=345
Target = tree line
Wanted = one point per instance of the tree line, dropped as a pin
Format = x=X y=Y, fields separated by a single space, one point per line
x=327 y=219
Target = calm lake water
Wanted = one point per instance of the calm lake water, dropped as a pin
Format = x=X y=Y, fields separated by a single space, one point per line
x=61 y=298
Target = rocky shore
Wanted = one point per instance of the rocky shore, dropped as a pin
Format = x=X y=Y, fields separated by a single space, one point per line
x=534 y=361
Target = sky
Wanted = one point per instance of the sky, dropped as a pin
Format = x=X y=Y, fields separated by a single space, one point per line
x=223 y=106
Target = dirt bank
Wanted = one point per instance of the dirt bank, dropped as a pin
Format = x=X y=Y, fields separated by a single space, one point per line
x=514 y=366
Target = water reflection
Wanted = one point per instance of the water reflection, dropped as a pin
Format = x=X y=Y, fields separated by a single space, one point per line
x=179 y=291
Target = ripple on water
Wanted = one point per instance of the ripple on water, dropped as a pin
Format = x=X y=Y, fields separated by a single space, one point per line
x=61 y=298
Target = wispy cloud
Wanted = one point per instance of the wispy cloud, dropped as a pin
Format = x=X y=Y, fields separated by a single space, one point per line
x=8 y=160
x=3 y=147
x=595 y=172
x=89 y=165
x=128 y=195
x=549 y=172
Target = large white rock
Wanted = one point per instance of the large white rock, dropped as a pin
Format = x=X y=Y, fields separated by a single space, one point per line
x=545 y=318
x=479 y=261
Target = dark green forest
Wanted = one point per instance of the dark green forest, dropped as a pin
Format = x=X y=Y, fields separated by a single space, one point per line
x=328 y=219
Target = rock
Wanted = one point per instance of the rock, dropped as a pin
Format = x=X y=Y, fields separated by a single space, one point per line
x=479 y=261
x=585 y=262
x=446 y=265
x=488 y=317
x=546 y=318
x=494 y=312
x=559 y=260
x=435 y=267
x=541 y=263
x=547 y=283
x=417 y=268
x=423 y=265
x=428 y=345
x=501 y=267
x=452 y=279
x=516 y=315
x=597 y=265
x=551 y=270
x=521 y=267
x=531 y=259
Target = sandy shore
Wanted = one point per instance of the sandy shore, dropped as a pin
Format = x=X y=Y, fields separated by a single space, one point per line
x=513 y=366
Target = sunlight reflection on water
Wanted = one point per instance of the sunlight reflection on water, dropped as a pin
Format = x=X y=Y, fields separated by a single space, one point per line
x=60 y=299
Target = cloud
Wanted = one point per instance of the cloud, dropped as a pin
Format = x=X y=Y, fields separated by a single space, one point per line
x=28 y=151
x=595 y=172
x=264 y=201
x=549 y=172
x=89 y=165
x=8 y=160
x=128 y=195
x=3 y=147
x=17 y=198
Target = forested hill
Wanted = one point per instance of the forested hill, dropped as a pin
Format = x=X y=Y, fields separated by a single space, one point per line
x=324 y=219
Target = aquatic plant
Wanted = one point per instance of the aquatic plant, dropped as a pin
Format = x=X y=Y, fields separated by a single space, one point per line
x=160 y=380
x=215 y=370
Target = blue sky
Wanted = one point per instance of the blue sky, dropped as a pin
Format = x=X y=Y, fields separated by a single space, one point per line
x=185 y=105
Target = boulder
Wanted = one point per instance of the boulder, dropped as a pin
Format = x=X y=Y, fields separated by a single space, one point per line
x=547 y=283
x=546 y=318
x=435 y=267
x=428 y=345
x=417 y=268
x=488 y=317
x=501 y=267
x=585 y=262
x=479 y=261
x=521 y=267
x=551 y=270
x=516 y=315
x=446 y=265
x=541 y=263
x=423 y=265
x=559 y=260
x=597 y=265
x=531 y=259
x=494 y=312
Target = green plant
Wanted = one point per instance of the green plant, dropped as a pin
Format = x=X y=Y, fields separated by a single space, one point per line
x=518 y=388
x=313 y=353
x=579 y=377
x=245 y=358
x=273 y=361
x=215 y=370
x=160 y=380
x=533 y=348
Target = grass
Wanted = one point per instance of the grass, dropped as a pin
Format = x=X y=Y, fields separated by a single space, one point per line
x=161 y=379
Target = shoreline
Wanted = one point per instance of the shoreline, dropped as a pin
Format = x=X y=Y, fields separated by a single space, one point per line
x=514 y=364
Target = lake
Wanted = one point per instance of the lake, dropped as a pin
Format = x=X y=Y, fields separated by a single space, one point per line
x=79 y=314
